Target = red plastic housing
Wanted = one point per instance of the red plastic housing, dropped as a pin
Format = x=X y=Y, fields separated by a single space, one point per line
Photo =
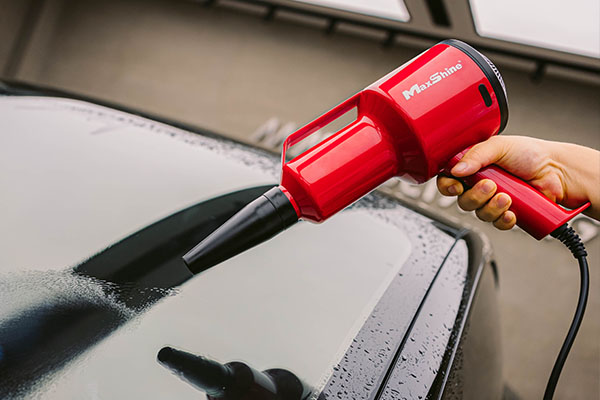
x=409 y=124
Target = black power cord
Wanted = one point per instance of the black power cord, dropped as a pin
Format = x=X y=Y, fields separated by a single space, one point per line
x=569 y=238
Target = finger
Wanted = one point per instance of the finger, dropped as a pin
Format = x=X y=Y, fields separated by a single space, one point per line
x=448 y=186
x=480 y=155
x=494 y=208
x=506 y=222
x=477 y=196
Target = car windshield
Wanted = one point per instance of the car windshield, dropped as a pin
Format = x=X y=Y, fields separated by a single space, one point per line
x=97 y=211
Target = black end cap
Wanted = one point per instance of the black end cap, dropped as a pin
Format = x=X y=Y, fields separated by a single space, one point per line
x=491 y=73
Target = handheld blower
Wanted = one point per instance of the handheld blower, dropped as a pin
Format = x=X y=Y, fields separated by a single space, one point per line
x=414 y=123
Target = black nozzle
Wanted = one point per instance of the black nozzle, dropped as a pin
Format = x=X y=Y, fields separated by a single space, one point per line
x=207 y=375
x=259 y=221
x=234 y=380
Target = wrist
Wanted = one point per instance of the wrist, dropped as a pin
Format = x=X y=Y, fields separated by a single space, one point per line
x=581 y=169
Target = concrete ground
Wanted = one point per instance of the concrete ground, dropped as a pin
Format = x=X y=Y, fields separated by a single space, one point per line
x=231 y=72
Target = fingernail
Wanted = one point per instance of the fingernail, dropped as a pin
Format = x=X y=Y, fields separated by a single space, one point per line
x=487 y=186
x=502 y=201
x=453 y=190
x=507 y=217
x=460 y=167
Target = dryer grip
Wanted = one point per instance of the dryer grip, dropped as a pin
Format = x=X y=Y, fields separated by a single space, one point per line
x=536 y=214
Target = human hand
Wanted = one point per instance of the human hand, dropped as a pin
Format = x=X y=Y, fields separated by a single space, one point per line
x=565 y=173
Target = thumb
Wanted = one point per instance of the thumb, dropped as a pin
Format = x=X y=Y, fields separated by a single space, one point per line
x=479 y=156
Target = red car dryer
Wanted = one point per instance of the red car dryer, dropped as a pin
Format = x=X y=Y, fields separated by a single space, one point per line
x=414 y=123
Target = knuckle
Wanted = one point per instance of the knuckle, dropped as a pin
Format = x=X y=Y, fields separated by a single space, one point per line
x=473 y=199
x=443 y=183
x=447 y=181
x=486 y=214
x=501 y=225
x=476 y=152
x=466 y=202
x=481 y=214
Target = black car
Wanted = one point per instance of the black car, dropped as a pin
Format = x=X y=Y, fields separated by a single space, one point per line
x=383 y=301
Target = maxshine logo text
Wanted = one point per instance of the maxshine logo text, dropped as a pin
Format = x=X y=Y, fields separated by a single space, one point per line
x=433 y=79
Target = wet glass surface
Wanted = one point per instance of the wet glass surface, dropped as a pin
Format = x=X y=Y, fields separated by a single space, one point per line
x=77 y=324
x=48 y=318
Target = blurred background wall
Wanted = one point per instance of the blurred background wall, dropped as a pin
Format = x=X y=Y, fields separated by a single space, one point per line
x=254 y=73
